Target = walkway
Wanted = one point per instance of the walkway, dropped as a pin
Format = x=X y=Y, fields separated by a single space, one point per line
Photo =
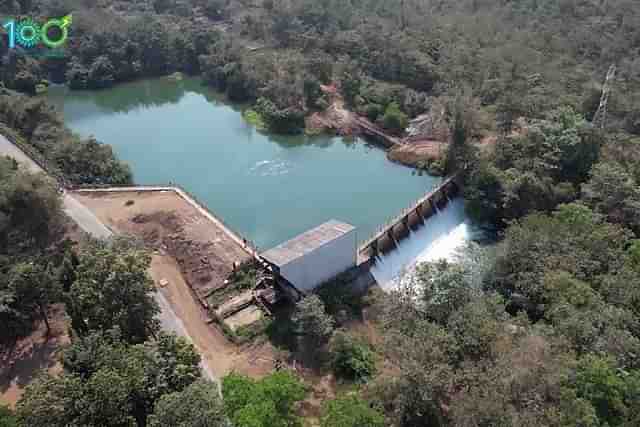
x=372 y=129
x=402 y=218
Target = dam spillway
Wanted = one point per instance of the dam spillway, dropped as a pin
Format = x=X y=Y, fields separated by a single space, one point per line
x=442 y=236
x=387 y=238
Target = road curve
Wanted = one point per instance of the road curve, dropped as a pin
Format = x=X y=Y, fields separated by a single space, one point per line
x=88 y=222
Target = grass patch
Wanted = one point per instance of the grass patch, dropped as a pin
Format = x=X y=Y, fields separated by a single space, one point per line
x=242 y=279
x=249 y=332
x=254 y=118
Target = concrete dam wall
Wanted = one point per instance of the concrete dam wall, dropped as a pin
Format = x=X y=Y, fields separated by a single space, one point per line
x=399 y=228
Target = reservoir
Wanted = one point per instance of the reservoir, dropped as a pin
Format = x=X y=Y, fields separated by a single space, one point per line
x=268 y=187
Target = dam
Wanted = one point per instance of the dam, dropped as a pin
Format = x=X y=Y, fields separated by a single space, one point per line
x=267 y=188
x=388 y=236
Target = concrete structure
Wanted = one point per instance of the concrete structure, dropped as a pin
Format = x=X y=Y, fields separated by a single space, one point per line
x=316 y=256
x=384 y=240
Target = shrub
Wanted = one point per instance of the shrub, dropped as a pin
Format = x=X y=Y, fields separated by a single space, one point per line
x=254 y=118
x=350 y=411
x=373 y=111
x=280 y=120
x=312 y=321
x=352 y=358
x=395 y=120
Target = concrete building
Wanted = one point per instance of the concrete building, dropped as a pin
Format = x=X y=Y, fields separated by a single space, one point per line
x=316 y=256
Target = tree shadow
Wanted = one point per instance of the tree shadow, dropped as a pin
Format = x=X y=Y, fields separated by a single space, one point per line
x=22 y=366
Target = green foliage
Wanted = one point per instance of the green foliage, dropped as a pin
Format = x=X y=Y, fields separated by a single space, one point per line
x=198 y=405
x=254 y=118
x=614 y=192
x=7 y=417
x=286 y=121
x=339 y=296
x=108 y=382
x=445 y=287
x=312 y=322
x=30 y=221
x=112 y=289
x=353 y=358
x=394 y=120
x=30 y=209
x=373 y=111
x=33 y=289
x=476 y=327
x=81 y=160
x=457 y=152
x=350 y=411
x=312 y=93
x=350 y=83
x=574 y=239
x=215 y=9
x=533 y=172
x=264 y=403
x=615 y=395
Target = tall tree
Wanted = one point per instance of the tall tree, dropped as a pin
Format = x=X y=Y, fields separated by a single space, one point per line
x=110 y=383
x=35 y=289
x=312 y=322
x=198 y=405
x=112 y=289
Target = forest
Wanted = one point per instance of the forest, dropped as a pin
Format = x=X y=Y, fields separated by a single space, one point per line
x=541 y=328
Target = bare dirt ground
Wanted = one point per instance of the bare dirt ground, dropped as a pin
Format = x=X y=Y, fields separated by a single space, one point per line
x=20 y=364
x=336 y=118
x=417 y=152
x=166 y=222
x=185 y=242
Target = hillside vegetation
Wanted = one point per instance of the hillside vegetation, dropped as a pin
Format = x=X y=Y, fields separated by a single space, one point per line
x=541 y=329
x=515 y=58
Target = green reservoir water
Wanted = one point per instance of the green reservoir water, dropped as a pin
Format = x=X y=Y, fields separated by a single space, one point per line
x=268 y=187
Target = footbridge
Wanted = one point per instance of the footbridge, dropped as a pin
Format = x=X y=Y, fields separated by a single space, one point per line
x=386 y=238
x=371 y=130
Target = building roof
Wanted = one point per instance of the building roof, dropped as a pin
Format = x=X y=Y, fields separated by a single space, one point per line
x=307 y=242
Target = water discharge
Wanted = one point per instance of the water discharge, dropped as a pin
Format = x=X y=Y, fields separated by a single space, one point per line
x=440 y=237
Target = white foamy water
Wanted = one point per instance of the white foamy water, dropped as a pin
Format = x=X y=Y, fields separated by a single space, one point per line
x=440 y=237
x=270 y=168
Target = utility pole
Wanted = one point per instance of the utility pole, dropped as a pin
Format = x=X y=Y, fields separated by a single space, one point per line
x=600 y=117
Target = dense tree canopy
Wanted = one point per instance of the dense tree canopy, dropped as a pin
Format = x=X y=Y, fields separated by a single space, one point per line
x=198 y=405
x=264 y=403
x=40 y=130
x=112 y=289
x=108 y=382
x=30 y=222
x=519 y=57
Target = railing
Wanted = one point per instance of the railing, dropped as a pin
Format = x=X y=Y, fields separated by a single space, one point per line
x=391 y=222
x=170 y=187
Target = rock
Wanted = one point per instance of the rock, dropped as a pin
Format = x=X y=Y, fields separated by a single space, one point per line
x=176 y=77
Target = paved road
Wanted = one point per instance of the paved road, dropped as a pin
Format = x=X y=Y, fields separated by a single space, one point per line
x=92 y=225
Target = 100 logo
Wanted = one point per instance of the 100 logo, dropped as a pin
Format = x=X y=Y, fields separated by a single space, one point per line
x=29 y=34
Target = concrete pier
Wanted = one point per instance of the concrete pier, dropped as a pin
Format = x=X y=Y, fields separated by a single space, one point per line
x=399 y=228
